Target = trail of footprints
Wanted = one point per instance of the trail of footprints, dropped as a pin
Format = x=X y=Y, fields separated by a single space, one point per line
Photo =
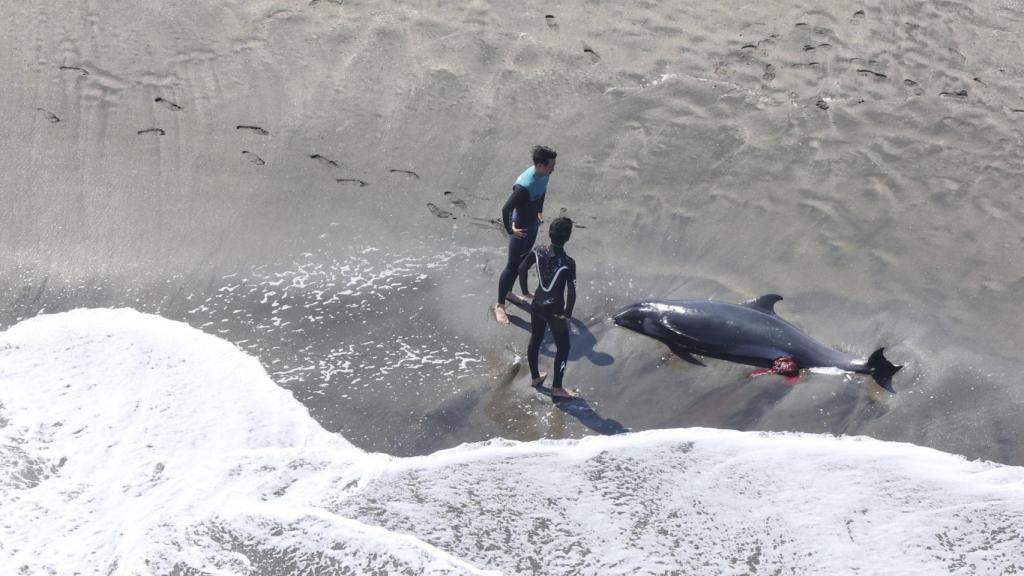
x=552 y=23
x=454 y=202
x=864 y=68
x=762 y=48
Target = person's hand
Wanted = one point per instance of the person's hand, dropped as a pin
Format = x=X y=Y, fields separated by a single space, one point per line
x=518 y=232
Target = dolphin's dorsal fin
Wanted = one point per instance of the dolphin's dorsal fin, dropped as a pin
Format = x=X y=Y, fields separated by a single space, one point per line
x=765 y=303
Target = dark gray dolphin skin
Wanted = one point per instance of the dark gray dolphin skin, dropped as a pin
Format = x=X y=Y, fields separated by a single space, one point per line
x=748 y=333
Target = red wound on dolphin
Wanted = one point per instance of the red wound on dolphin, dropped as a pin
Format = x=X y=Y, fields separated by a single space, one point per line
x=783 y=367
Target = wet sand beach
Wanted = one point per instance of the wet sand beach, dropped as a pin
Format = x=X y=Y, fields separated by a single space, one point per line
x=319 y=183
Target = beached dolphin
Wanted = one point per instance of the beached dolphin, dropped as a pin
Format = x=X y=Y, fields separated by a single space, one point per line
x=748 y=333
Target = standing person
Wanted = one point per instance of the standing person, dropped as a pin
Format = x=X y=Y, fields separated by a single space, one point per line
x=521 y=217
x=553 y=302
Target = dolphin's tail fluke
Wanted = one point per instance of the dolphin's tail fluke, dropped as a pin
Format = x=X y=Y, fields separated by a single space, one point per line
x=882 y=370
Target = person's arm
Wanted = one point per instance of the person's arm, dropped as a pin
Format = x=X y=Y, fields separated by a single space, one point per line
x=524 y=270
x=518 y=196
x=540 y=207
x=570 y=286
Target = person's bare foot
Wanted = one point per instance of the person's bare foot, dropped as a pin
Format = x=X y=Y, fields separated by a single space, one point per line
x=539 y=380
x=526 y=297
x=565 y=392
x=500 y=315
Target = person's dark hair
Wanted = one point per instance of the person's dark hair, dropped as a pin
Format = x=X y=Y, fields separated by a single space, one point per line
x=560 y=230
x=543 y=155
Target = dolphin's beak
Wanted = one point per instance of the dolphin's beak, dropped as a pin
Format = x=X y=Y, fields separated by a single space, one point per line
x=630 y=317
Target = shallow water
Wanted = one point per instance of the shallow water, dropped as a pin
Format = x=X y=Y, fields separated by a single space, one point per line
x=130 y=444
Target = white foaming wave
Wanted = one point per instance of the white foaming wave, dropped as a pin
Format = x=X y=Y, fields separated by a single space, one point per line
x=304 y=301
x=137 y=445
x=700 y=501
x=130 y=444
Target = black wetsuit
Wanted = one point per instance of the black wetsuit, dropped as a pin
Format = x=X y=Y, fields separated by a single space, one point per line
x=556 y=273
x=523 y=211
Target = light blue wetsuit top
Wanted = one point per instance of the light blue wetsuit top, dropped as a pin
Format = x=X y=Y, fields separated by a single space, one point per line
x=536 y=185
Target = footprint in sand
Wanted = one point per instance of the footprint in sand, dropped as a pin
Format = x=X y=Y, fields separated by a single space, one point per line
x=564 y=213
x=489 y=223
x=593 y=55
x=858 y=16
x=325 y=161
x=157 y=131
x=913 y=85
x=167 y=104
x=253 y=158
x=550 y=19
x=81 y=71
x=50 y=116
x=762 y=48
x=253 y=129
x=812 y=48
x=957 y=94
x=769 y=73
x=866 y=72
x=821 y=104
x=408 y=173
x=455 y=200
x=439 y=212
x=362 y=183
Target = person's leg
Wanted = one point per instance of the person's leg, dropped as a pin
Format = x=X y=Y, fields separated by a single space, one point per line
x=531 y=239
x=508 y=275
x=518 y=248
x=537 y=327
x=560 y=330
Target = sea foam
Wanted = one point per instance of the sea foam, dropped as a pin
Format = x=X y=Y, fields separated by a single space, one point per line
x=131 y=444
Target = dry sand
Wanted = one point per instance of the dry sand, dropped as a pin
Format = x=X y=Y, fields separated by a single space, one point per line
x=316 y=182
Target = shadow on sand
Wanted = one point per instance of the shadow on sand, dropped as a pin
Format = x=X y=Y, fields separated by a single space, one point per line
x=581 y=410
x=581 y=340
x=582 y=345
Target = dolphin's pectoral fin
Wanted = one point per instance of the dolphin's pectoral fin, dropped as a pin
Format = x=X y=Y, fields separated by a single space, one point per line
x=764 y=303
x=684 y=353
x=667 y=325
